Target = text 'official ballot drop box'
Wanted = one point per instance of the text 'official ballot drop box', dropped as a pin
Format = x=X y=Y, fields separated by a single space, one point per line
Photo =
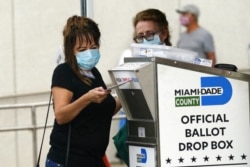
x=182 y=114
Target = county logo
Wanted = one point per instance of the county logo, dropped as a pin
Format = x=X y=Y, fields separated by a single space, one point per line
x=212 y=91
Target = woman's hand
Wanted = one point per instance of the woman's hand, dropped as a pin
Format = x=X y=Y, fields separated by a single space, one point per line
x=97 y=95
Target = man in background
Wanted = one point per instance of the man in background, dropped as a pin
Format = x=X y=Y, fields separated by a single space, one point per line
x=195 y=38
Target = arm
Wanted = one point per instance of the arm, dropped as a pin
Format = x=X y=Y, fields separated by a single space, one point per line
x=118 y=105
x=209 y=48
x=65 y=111
x=211 y=56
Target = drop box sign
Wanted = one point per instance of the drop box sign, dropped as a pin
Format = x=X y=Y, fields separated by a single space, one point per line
x=203 y=119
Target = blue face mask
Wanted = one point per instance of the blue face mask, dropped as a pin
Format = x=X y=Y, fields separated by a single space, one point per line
x=88 y=58
x=155 y=41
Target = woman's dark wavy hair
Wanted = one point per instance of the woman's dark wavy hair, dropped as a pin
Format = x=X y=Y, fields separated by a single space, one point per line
x=83 y=29
x=156 y=16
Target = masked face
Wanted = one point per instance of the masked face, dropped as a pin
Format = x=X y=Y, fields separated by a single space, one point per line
x=184 y=20
x=148 y=32
x=155 y=41
x=88 y=59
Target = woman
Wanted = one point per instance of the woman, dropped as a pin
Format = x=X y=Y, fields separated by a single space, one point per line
x=150 y=27
x=83 y=108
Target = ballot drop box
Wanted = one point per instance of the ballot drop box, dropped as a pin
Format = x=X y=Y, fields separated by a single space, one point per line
x=184 y=115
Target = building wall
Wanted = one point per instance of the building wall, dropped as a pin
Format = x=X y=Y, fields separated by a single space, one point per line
x=31 y=33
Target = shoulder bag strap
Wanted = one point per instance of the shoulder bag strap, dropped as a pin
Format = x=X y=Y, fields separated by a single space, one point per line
x=45 y=126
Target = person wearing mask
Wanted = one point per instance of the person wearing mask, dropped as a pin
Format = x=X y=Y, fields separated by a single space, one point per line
x=195 y=38
x=83 y=107
x=150 y=27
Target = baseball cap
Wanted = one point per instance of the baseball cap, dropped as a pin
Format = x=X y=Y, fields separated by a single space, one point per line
x=189 y=9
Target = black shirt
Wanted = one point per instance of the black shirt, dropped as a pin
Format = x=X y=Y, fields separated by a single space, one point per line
x=89 y=130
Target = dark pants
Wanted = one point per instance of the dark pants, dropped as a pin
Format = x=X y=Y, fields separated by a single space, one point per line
x=50 y=163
